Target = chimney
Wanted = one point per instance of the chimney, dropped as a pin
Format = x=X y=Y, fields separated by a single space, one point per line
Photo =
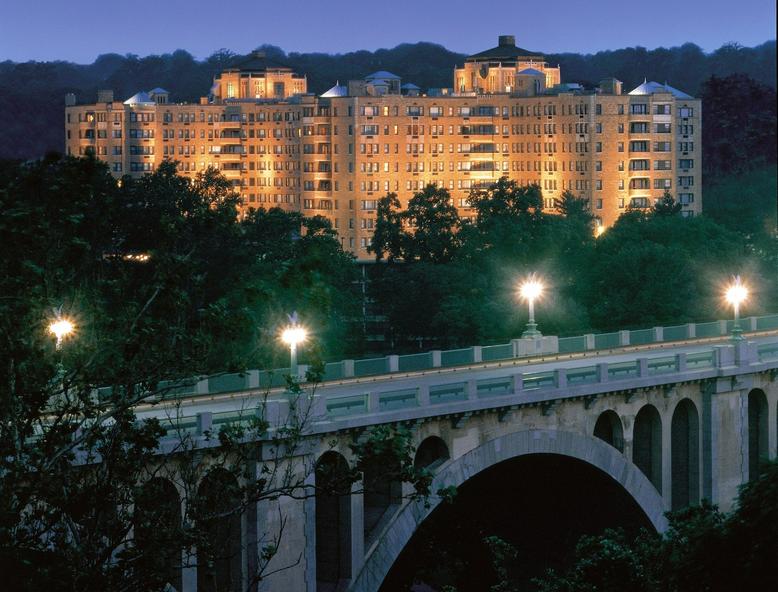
x=506 y=40
x=70 y=99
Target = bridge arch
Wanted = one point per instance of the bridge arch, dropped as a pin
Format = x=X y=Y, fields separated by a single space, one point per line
x=757 y=432
x=647 y=444
x=431 y=453
x=588 y=449
x=685 y=455
x=609 y=429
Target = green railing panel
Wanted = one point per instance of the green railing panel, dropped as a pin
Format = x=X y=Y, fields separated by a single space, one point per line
x=492 y=353
x=606 y=340
x=569 y=345
x=675 y=333
x=276 y=378
x=371 y=366
x=415 y=362
x=700 y=360
x=767 y=322
x=333 y=371
x=491 y=387
x=446 y=393
x=398 y=399
x=585 y=375
x=712 y=329
x=767 y=351
x=622 y=370
x=537 y=380
x=456 y=357
x=342 y=406
x=662 y=365
x=641 y=336
x=226 y=383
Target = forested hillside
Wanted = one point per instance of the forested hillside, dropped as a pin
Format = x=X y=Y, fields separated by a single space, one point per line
x=32 y=93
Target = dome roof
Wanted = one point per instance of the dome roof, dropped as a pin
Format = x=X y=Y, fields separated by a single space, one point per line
x=141 y=98
x=382 y=75
x=336 y=91
x=649 y=88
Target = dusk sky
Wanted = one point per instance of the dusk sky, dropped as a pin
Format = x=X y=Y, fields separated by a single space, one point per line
x=80 y=31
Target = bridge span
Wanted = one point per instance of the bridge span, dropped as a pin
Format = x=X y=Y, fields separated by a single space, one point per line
x=672 y=422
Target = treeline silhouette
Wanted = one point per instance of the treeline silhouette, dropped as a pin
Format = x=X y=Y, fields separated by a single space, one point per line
x=32 y=93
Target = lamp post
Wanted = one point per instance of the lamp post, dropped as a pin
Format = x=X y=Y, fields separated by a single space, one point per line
x=736 y=294
x=293 y=335
x=530 y=290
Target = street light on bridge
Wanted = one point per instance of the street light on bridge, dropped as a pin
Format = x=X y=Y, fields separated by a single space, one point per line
x=530 y=290
x=293 y=335
x=62 y=328
x=736 y=294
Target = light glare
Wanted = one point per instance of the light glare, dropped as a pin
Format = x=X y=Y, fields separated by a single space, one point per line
x=531 y=290
x=293 y=335
x=736 y=293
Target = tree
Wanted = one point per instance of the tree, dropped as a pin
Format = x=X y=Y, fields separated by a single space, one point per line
x=163 y=289
x=666 y=206
x=434 y=222
x=388 y=236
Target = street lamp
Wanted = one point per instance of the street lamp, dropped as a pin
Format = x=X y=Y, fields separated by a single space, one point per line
x=292 y=335
x=530 y=290
x=736 y=294
x=61 y=328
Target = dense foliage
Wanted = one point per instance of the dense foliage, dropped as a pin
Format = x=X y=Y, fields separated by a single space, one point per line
x=163 y=282
x=31 y=94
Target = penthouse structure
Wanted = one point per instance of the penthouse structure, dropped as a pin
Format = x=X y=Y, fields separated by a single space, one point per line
x=338 y=153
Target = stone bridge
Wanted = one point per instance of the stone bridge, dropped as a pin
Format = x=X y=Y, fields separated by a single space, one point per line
x=670 y=421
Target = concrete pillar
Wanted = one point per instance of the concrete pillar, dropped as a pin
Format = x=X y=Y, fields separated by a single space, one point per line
x=517 y=383
x=602 y=372
x=772 y=425
x=680 y=362
x=372 y=402
x=472 y=390
x=309 y=552
x=477 y=354
x=436 y=361
x=392 y=363
x=589 y=341
x=667 y=464
x=748 y=324
x=560 y=378
x=348 y=368
x=424 y=395
x=691 y=331
x=252 y=379
x=204 y=422
x=357 y=530
x=659 y=334
x=623 y=337
x=642 y=367
x=201 y=388
x=722 y=327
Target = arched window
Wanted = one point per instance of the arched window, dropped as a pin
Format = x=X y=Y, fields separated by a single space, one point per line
x=608 y=428
x=432 y=453
x=647 y=444
x=757 y=432
x=333 y=522
x=219 y=546
x=157 y=534
x=685 y=455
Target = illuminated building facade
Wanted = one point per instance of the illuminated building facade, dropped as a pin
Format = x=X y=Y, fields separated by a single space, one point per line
x=338 y=153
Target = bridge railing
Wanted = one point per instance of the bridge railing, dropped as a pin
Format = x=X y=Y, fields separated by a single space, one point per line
x=345 y=369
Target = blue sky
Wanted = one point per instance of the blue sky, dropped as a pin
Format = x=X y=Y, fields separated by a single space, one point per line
x=80 y=30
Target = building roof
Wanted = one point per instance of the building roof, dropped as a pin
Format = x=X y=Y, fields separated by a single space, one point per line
x=141 y=98
x=649 y=88
x=158 y=91
x=506 y=50
x=410 y=86
x=531 y=72
x=336 y=91
x=382 y=75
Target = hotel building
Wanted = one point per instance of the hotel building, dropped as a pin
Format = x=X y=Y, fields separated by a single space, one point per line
x=337 y=154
